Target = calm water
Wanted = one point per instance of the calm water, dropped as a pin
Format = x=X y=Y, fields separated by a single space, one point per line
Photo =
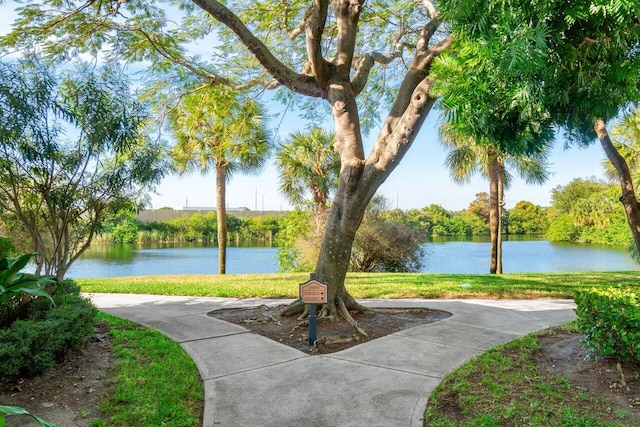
x=441 y=256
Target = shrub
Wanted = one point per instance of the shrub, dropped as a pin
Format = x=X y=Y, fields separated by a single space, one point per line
x=31 y=345
x=610 y=319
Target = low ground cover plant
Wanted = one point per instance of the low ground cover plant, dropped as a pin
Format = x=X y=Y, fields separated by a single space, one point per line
x=44 y=331
x=610 y=320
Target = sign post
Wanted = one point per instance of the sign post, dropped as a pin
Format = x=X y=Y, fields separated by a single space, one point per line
x=313 y=292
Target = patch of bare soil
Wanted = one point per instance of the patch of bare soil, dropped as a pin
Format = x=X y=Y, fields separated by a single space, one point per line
x=565 y=355
x=68 y=394
x=332 y=336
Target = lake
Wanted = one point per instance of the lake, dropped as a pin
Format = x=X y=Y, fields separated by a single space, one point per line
x=444 y=255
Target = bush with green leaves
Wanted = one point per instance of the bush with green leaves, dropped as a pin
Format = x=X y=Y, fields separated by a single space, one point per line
x=32 y=344
x=610 y=319
x=14 y=283
x=18 y=289
x=6 y=247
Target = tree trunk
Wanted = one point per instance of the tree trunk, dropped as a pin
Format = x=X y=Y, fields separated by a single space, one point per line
x=221 y=217
x=494 y=214
x=628 y=197
x=361 y=177
x=500 y=214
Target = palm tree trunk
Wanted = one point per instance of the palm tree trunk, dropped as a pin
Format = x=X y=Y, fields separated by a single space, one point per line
x=500 y=214
x=221 y=216
x=494 y=179
x=628 y=197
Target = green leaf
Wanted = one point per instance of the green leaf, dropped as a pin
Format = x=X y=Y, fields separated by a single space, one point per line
x=16 y=410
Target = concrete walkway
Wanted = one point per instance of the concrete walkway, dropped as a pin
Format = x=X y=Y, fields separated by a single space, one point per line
x=252 y=381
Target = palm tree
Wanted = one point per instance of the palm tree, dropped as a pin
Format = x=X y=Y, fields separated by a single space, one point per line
x=467 y=157
x=309 y=163
x=217 y=128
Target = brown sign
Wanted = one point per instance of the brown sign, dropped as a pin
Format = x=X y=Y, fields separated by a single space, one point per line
x=313 y=292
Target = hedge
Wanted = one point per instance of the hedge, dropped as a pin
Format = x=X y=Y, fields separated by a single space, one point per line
x=610 y=319
x=30 y=346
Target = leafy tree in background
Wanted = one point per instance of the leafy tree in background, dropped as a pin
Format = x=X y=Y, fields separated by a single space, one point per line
x=527 y=218
x=480 y=206
x=594 y=215
x=72 y=152
x=217 y=128
x=563 y=197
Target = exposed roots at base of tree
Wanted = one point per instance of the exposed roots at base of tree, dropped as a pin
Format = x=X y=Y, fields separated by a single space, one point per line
x=329 y=341
x=330 y=312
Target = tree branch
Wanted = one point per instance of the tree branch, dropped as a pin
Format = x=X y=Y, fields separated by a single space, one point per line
x=365 y=63
x=298 y=83
x=314 y=28
x=303 y=23
x=431 y=8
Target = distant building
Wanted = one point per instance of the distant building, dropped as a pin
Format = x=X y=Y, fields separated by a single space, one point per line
x=163 y=215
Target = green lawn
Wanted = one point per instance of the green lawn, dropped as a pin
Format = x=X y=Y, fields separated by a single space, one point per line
x=370 y=285
x=156 y=383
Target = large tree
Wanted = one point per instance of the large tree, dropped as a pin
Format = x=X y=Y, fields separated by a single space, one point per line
x=220 y=129
x=342 y=55
x=73 y=150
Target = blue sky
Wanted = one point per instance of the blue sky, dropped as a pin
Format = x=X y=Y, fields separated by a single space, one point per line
x=419 y=180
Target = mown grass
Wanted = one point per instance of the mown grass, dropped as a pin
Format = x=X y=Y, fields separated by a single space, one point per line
x=370 y=285
x=155 y=381
x=504 y=386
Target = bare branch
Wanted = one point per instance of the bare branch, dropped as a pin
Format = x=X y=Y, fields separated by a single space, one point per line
x=431 y=8
x=365 y=63
x=314 y=29
x=300 y=29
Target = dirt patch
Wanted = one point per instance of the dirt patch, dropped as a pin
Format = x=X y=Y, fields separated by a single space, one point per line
x=332 y=336
x=68 y=394
x=564 y=354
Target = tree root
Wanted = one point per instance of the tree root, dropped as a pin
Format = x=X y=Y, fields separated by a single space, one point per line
x=342 y=308
x=329 y=312
x=305 y=313
x=296 y=307
x=335 y=340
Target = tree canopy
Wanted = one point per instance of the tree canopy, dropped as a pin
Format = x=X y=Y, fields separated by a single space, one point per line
x=73 y=150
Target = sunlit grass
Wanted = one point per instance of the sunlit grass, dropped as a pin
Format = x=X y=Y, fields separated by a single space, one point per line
x=504 y=386
x=155 y=381
x=370 y=285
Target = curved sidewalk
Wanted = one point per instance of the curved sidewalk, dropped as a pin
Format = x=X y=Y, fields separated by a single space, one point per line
x=252 y=381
